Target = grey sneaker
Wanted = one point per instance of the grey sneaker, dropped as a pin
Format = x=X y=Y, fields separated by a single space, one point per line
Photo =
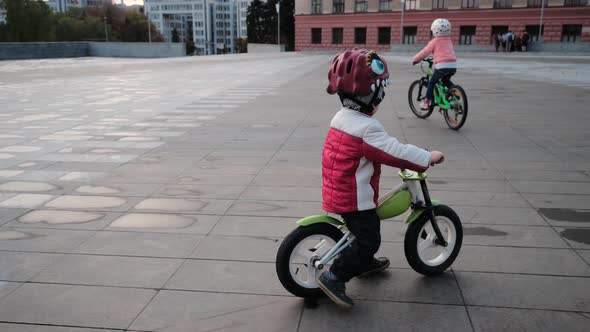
x=335 y=289
x=378 y=265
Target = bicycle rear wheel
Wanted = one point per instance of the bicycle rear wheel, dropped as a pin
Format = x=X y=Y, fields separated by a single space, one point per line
x=416 y=94
x=456 y=115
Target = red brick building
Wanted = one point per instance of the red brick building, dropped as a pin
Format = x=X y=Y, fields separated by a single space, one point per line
x=375 y=24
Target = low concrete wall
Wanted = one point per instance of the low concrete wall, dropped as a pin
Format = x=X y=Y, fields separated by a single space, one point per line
x=137 y=50
x=265 y=48
x=18 y=51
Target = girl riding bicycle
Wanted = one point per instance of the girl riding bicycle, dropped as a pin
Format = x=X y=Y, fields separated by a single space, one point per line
x=445 y=61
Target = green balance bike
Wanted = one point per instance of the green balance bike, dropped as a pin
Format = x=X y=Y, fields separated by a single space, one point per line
x=451 y=101
x=432 y=240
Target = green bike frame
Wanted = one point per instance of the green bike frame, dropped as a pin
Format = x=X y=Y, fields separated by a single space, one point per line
x=397 y=201
x=411 y=193
x=440 y=91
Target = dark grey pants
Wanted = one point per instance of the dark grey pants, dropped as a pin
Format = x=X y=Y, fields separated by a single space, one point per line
x=356 y=258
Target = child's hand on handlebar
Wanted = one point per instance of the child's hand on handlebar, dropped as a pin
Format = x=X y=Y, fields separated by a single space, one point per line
x=436 y=157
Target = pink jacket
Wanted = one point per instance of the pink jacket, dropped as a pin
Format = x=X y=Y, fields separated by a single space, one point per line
x=444 y=54
x=355 y=148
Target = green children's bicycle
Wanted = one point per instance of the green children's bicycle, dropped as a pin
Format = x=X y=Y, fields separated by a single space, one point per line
x=431 y=243
x=451 y=101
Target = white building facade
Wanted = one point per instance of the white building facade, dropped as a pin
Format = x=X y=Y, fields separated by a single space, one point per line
x=61 y=6
x=213 y=25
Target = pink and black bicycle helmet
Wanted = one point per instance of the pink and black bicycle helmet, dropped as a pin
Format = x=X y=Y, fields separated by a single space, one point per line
x=359 y=75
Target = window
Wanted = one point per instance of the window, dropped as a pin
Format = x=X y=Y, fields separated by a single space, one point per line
x=338 y=7
x=385 y=5
x=360 y=35
x=467 y=34
x=574 y=3
x=410 y=35
x=571 y=33
x=410 y=5
x=469 y=3
x=534 y=3
x=439 y=4
x=384 y=35
x=361 y=6
x=502 y=3
x=337 y=35
x=316 y=7
x=533 y=31
x=316 y=35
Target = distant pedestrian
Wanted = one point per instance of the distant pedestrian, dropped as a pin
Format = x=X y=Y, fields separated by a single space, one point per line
x=504 y=36
x=525 y=40
x=496 y=40
x=518 y=44
x=510 y=41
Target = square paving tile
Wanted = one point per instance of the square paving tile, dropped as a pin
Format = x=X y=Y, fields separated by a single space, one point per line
x=8 y=214
x=503 y=319
x=240 y=248
x=24 y=201
x=521 y=260
x=184 y=205
x=520 y=236
x=405 y=285
x=200 y=312
x=255 y=226
x=471 y=198
x=63 y=219
x=227 y=276
x=585 y=254
x=110 y=271
x=141 y=244
x=7 y=287
x=499 y=215
x=92 y=203
x=275 y=208
x=303 y=194
x=578 y=238
x=45 y=328
x=559 y=201
x=22 y=266
x=566 y=217
x=200 y=191
x=43 y=240
x=74 y=305
x=164 y=223
x=523 y=291
x=385 y=316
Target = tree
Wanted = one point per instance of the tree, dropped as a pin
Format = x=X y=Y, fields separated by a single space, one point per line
x=69 y=29
x=134 y=28
x=255 y=21
x=175 y=36
x=288 y=24
x=262 y=22
x=32 y=20
x=28 y=20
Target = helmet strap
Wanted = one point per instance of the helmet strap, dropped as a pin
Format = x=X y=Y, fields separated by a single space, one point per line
x=367 y=108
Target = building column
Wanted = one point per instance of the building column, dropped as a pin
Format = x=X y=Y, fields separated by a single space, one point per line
x=552 y=32
x=483 y=34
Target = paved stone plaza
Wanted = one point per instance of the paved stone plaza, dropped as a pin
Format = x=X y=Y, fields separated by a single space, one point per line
x=152 y=195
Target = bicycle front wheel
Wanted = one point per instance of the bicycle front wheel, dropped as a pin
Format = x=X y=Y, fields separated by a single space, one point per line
x=456 y=115
x=416 y=94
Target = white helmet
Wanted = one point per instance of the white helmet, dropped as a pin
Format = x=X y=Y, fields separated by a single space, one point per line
x=441 y=27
